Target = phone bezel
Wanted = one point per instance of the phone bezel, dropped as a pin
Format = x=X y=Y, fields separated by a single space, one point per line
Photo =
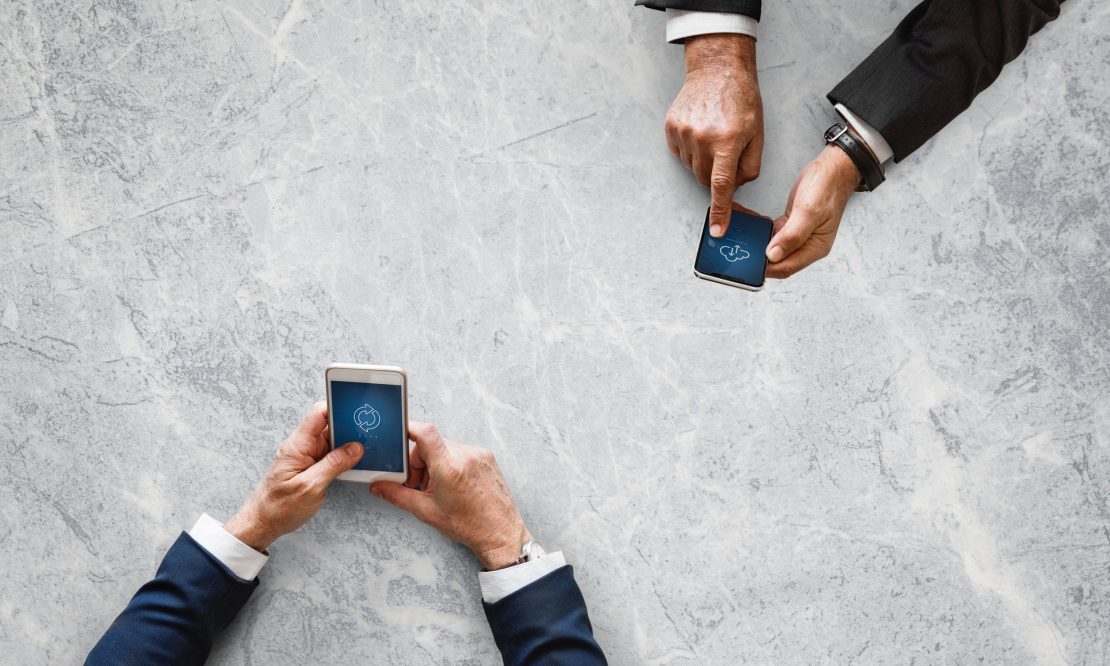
x=371 y=374
x=725 y=280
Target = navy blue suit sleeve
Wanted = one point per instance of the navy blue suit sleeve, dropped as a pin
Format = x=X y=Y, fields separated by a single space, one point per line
x=750 y=8
x=174 y=618
x=545 y=622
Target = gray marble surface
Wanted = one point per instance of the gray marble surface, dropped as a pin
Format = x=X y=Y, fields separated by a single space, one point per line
x=898 y=456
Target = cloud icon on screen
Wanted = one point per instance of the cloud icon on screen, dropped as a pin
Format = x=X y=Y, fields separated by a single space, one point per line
x=734 y=253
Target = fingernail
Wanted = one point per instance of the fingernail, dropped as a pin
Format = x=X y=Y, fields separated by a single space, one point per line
x=715 y=230
x=354 y=450
x=775 y=253
x=375 y=492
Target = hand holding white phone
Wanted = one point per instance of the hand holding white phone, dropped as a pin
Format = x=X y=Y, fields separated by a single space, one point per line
x=368 y=404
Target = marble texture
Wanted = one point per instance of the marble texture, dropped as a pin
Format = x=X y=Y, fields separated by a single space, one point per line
x=898 y=456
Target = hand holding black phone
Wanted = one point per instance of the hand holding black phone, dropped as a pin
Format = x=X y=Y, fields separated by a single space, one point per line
x=739 y=258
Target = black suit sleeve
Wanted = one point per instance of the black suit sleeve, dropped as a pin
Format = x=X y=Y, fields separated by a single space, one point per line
x=943 y=54
x=174 y=618
x=545 y=622
x=746 y=7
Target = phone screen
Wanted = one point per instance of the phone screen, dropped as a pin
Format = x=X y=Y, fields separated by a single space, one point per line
x=370 y=414
x=740 y=255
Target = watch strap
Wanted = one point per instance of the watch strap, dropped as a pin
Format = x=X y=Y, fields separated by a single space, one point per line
x=871 y=172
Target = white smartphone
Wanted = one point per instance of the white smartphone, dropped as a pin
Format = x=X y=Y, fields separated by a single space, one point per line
x=368 y=404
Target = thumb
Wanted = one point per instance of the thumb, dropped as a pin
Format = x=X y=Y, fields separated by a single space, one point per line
x=335 y=463
x=791 y=232
x=416 y=502
x=430 y=445
x=722 y=184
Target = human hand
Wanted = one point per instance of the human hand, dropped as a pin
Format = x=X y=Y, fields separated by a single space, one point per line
x=805 y=233
x=715 y=124
x=294 y=488
x=459 y=490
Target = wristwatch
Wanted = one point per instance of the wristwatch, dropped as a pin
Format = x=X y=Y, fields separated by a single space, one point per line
x=871 y=171
x=531 y=550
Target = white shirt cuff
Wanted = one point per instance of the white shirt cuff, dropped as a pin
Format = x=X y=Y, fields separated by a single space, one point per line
x=244 y=561
x=683 y=23
x=496 y=585
x=869 y=134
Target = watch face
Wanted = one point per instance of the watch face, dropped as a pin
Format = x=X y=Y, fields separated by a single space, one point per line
x=531 y=551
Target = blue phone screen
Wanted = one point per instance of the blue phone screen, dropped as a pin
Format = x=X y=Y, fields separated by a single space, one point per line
x=370 y=414
x=741 y=254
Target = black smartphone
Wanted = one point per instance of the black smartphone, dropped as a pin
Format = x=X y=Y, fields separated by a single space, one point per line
x=739 y=258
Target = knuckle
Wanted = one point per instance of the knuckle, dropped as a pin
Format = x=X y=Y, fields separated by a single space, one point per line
x=808 y=206
x=795 y=239
x=702 y=135
x=426 y=430
x=791 y=241
x=299 y=486
x=476 y=460
x=789 y=236
x=725 y=135
x=453 y=473
x=721 y=181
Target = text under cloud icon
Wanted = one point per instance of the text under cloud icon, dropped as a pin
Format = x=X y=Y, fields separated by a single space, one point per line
x=734 y=253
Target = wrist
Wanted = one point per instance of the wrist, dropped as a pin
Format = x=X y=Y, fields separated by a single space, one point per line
x=845 y=174
x=246 y=527
x=504 y=554
x=715 y=52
